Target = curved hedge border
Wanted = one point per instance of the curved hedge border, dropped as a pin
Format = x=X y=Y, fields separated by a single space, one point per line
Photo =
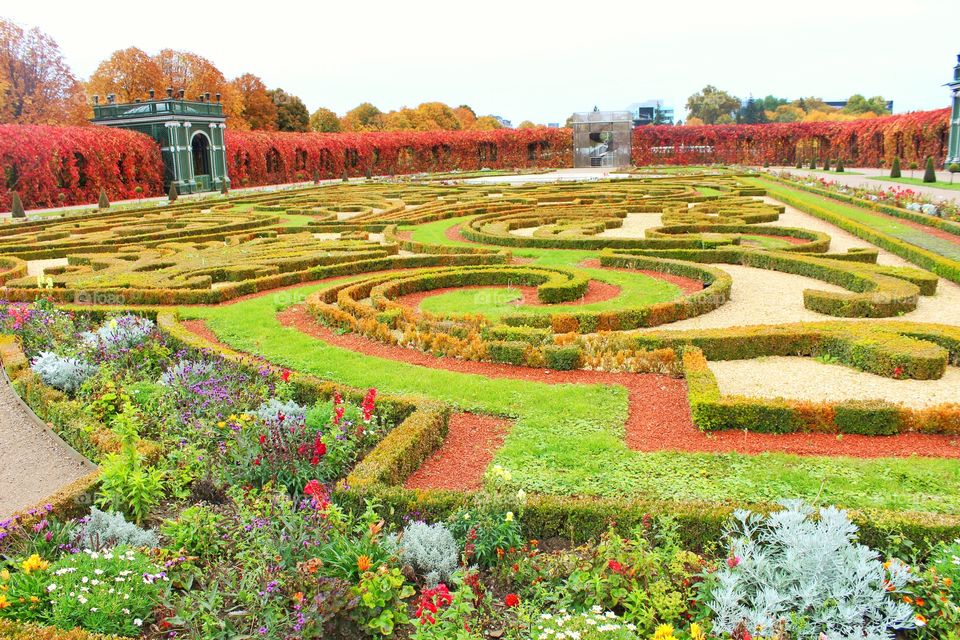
x=942 y=266
x=713 y=412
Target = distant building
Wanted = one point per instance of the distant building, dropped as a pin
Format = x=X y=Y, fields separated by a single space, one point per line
x=646 y=112
x=503 y=121
x=840 y=104
x=553 y=125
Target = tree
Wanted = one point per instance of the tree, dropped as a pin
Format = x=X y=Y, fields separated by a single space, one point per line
x=694 y=122
x=752 y=112
x=129 y=74
x=486 y=123
x=725 y=118
x=363 y=117
x=858 y=105
x=659 y=117
x=292 y=114
x=465 y=115
x=526 y=124
x=895 y=168
x=929 y=173
x=188 y=71
x=712 y=103
x=953 y=168
x=39 y=86
x=256 y=108
x=770 y=103
x=325 y=121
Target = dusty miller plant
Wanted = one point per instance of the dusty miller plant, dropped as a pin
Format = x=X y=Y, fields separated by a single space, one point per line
x=103 y=529
x=121 y=332
x=270 y=410
x=431 y=550
x=61 y=372
x=808 y=572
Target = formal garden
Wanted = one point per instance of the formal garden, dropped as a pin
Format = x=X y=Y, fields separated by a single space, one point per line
x=690 y=404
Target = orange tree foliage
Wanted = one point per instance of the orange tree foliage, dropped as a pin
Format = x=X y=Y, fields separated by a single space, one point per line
x=257 y=110
x=38 y=86
x=129 y=74
x=296 y=157
x=864 y=142
x=52 y=166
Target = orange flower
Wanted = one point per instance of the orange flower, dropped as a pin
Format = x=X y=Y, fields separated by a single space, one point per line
x=364 y=563
x=947 y=582
x=921 y=602
x=3 y=601
x=908 y=599
x=375 y=528
x=298 y=596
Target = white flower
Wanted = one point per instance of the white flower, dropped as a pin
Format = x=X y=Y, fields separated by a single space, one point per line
x=138 y=622
x=51 y=587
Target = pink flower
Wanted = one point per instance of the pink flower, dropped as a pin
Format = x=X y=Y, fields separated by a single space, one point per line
x=733 y=561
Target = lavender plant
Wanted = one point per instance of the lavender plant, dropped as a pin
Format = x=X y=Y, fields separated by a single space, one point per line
x=806 y=571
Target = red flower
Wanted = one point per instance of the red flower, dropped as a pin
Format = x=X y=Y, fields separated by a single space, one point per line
x=319 y=447
x=285 y=375
x=511 y=600
x=615 y=566
x=338 y=414
x=263 y=438
x=898 y=372
x=315 y=460
x=733 y=561
x=256 y=461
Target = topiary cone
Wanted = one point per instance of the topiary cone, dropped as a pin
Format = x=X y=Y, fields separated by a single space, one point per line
x=929 y=173
x=799 y=163
x=813 y=162
x=172 y=193
x=16 y=206
x=223 y=187
x=839 y=165
x=103 y=202
x=826 y=164
x=895 y=168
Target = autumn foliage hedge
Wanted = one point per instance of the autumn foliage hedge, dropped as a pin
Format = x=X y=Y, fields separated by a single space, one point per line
x=860 y=143
x=57 y=166
x=53 y=166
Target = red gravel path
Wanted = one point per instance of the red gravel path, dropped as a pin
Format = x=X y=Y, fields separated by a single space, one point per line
x=659 y=415
x=596 y=292
x=687 y=285
x=453 y=233
x=460 y=462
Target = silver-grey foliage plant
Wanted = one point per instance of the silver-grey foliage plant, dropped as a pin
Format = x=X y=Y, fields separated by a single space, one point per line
x=805 y=569
x=103 y=530
x=61 y=372
x=431 y=550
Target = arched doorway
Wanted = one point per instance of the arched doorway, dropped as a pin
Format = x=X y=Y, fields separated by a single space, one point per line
x=201 y=156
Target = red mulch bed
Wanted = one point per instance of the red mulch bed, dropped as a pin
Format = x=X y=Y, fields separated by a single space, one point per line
x=687 y=285
x=933 y=231
x=465 y=454
x=453 y=233
x=659 y=415
x=596 y=292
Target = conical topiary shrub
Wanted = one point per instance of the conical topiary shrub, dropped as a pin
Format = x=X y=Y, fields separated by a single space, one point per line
x=929 y=173
x=826 y=164
x=813 y=162
x=316 y=177
x=16 y=206
x=172 y=193
x=799 y=163
x=103 y=202
x=346 y=176
x=839 y=165
x=895 y=168
x=223 y=187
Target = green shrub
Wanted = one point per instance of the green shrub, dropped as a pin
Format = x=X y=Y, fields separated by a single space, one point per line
x=16 y=206
x=839 y=165
x=813 y=162
x=563 y=358
x=826 y=164
x=895 y=168
x=197 y=530
x=508 y=351
x=867 y=417
x=929 y=173
x=172 y=193
x=103 y=202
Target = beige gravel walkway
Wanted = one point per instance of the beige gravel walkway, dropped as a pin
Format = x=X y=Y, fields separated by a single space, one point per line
x=809 y=379
x=34 y=463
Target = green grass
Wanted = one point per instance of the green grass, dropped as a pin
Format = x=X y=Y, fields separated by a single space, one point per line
x=877 y=221
x=568 y=439
x=920 y=183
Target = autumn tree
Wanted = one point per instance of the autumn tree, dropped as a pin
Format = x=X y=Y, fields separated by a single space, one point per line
x=712 y=103
x=39 y=86
x=486 y=123
x=292 y=114
x=526 y=124
x=465 y=115
x=363 y=117
x=325 y=121
x=129 y=74
x=257 y=109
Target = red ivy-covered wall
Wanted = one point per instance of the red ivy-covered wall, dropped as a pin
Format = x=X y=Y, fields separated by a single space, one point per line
x=55 y=166
x=52 y=166
x=863 y=143
x=261 y=157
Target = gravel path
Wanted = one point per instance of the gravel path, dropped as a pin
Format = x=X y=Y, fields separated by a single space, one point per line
x=809 y=379
x=34 y=463
x=634 y=226
x=36 y=267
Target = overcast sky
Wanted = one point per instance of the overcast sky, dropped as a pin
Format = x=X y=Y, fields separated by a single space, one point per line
x=534 y=60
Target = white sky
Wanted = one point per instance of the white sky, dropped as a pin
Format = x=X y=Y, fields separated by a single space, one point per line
x=534 y=60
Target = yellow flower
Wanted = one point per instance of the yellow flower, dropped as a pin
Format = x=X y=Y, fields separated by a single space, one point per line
x=509 y=516
x=3 y=601
x=34 y=563
x=663 y=632
x=696 y=632
x=4 y=575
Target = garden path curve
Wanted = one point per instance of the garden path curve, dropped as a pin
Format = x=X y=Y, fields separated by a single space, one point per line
x=34 y=462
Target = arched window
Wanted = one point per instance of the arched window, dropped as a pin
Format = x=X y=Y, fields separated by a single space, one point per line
x=200 y=146
x=274 y=162
x=300 y=159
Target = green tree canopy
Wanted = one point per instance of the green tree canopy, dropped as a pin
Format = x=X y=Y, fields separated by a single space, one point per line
x=292 y=114
x=325 y=121
x=857 y=104
x=712 y=103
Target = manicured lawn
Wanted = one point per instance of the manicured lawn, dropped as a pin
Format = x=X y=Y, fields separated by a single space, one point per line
x=568 y=439
x=877 y=221
x=920 y=183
